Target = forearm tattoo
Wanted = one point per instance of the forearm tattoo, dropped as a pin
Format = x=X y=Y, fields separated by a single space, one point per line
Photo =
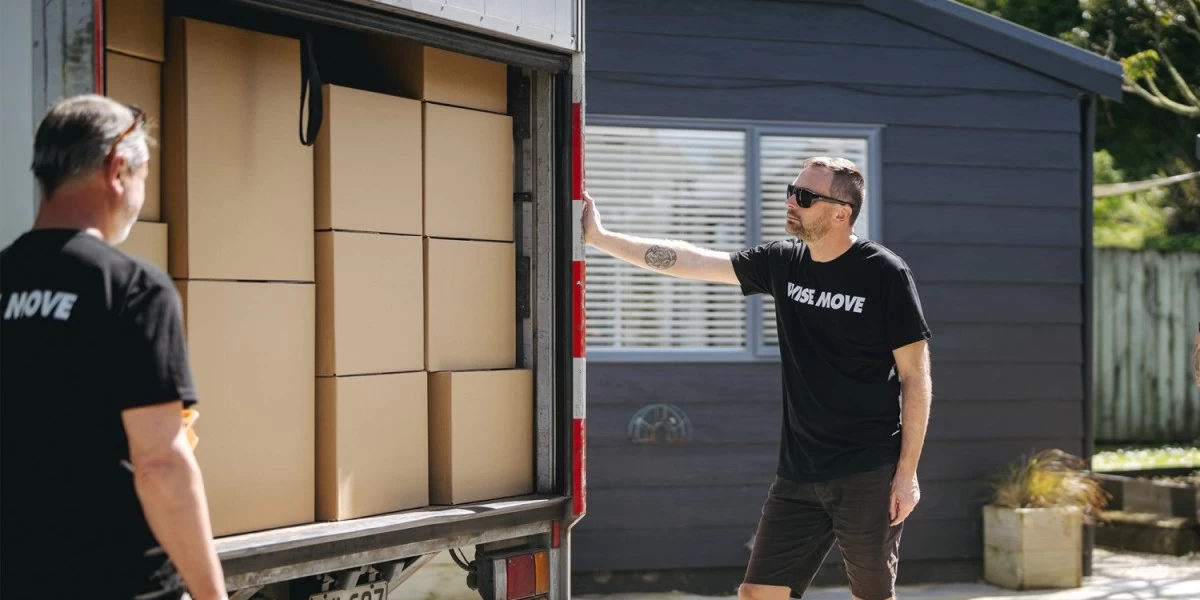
x=660 y=257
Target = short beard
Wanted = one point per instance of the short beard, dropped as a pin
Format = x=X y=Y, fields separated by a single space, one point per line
x=808 y=234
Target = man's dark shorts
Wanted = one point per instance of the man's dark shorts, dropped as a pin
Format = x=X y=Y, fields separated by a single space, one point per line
x=801 y=521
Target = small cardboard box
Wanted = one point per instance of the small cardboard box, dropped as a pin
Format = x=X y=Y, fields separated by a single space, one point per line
x=148 y=241
x=468 y=174
x=480 y=435
x=470 y=305
x=400 y=68
x=251 y=349
x=237 y=182
x=370 y=303
x=372 y=445
x=135 y=28
x=368 y=163
x=139 y=82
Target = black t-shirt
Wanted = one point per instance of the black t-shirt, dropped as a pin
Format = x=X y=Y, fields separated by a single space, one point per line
x=86 y=332
x=838 y=323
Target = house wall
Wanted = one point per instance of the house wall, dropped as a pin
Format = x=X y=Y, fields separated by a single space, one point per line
x=981 y=193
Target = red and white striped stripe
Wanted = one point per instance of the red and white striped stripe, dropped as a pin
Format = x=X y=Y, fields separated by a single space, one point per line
x=98 y=64
x=578 y=274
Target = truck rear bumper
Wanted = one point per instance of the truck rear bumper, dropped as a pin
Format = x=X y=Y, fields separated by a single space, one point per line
x=263 y=558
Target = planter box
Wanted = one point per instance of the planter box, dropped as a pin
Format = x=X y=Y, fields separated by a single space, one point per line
x=1032 y=548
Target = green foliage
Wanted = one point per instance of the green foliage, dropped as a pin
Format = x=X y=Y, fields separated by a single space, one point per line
x=1143 y=65
x=1134 y=221
x=1135 y=458
x=1128 y=220
x=1050 y=17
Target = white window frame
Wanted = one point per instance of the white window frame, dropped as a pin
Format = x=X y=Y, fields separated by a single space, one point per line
x=756 y=350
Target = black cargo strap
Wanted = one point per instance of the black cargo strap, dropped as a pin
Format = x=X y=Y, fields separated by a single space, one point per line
x=310 y=86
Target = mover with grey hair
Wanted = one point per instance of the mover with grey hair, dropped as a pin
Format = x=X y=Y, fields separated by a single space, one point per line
x=96 y=379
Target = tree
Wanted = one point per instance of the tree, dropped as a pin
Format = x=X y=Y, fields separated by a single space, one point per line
x=1164 y=22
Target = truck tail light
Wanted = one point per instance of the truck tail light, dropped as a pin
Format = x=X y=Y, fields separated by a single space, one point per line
x=541 y=569
x=520 y=576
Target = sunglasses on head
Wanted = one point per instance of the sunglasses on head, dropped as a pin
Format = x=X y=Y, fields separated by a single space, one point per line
x=805 y=197
x=139 y=119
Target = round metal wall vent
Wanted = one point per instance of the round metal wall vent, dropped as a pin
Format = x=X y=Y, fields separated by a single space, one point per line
x=660 y=424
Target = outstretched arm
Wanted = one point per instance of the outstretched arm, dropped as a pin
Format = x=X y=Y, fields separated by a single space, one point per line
x=670 y=257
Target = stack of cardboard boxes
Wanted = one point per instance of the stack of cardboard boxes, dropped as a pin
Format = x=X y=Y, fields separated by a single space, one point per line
x=238 y=190
x=407 y=122
x=350 y=307
x=133 y=57
x=480 y=404
x=372 y=391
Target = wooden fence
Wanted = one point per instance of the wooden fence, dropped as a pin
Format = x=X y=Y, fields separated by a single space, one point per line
x=1147 y=310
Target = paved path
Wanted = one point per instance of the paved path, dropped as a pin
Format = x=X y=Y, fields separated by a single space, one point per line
x=1116 y=576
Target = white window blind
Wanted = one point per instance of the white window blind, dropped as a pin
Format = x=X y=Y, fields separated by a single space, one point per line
x=780 y=161
x=671 y=183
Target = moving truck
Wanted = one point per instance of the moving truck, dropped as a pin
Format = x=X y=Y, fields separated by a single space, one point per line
x=371 y=210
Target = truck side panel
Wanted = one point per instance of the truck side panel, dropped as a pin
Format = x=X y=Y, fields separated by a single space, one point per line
x=17 y=120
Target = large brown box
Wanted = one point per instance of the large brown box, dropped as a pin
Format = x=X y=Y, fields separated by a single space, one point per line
x=372 y=445
x=148 y=241
x=370 y=303
x=139 y=82
x=368 y=163
x=135 y=27
x=251 y=348
x=470 y=305
x=480 y=435
x=411 y=70
x=468 y=174
x=237 y=183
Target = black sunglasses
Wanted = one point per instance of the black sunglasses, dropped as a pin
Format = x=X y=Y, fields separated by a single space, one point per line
x=805 y=197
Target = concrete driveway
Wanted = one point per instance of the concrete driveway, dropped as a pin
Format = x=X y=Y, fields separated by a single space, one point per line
x=1116 y=576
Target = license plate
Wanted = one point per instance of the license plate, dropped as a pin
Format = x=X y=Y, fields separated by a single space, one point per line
x=373 y=591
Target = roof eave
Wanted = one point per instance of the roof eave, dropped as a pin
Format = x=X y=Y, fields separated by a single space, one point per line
x=1054 y=58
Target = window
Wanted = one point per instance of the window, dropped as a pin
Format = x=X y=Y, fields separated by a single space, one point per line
x=668 y=183
x=717 y=185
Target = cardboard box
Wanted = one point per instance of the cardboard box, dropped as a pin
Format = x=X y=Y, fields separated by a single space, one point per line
x=139 y=82
x=372 y=445
x=468 y=174
x=470 y=305
x=251 y=348
x=237 y=182
x=135 y=27
x=368 y=163
x=370 y=303
x=400 y=68
x=480 y=435
x=148 y=241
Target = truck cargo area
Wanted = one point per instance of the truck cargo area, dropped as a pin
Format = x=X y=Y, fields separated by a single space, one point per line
x=386 y=88
x=371 y=212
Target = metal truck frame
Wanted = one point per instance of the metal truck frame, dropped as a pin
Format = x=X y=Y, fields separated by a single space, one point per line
x=546 y=69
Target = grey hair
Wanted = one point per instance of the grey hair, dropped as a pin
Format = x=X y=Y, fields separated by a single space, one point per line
x=848 y=183
x=75 y=136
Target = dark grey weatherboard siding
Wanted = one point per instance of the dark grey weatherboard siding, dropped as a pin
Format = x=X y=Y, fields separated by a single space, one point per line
x=981 y=175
